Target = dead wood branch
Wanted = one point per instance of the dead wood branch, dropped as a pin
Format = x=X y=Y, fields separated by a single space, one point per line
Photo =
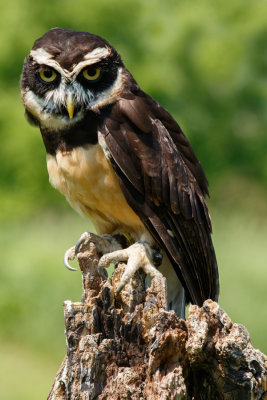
x=128 y=346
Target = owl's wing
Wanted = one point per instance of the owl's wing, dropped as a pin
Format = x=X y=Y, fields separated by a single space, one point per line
x=165 y=185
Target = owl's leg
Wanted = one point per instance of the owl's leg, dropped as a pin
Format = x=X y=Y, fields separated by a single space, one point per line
x=138 y=255
x=104 y=244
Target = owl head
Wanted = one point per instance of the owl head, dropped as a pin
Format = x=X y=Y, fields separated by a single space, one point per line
x=67 y=74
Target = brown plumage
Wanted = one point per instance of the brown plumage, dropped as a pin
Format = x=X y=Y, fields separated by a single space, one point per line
x=164 y=183
x=122 y=160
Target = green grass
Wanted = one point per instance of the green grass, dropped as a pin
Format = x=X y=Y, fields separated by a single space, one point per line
x=34 y=284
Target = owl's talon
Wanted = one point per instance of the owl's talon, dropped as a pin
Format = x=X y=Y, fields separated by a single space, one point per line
x=102 y=272
x=120 y=287
x=157 y=258
x=139 y=255
x=70 y=254
x=104 y=244
x=83 y=239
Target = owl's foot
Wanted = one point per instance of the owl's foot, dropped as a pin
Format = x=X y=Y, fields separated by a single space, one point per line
x=104 y=244
x=138 y=255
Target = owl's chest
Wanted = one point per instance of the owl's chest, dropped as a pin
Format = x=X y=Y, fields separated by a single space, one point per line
x=86 y=178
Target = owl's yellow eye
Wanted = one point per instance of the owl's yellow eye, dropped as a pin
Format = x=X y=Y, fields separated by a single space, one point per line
x=91 y=73
x=48 y=75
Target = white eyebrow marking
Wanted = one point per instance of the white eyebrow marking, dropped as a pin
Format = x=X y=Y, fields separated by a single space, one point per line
x=97 y=54
x=41 y=56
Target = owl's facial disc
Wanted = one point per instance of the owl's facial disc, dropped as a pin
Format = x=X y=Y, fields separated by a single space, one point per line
x=58 y=97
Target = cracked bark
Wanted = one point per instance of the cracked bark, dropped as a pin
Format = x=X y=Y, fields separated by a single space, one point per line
x=128 y=346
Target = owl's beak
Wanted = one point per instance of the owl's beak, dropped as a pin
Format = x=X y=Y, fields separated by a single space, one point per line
x=70 y=104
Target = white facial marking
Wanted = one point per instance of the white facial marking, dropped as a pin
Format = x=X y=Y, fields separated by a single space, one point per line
x=59 y=95
x=41 y=56
x=48 y=110
x=97 y=54
x=111 y=94
x=93 y=57
x=42 y=109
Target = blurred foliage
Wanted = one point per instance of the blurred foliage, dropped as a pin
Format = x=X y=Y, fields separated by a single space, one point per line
x=206 y=63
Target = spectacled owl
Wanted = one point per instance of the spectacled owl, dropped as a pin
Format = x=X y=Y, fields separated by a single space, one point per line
x=121 y=159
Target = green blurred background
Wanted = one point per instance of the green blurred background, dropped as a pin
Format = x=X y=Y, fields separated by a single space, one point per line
x=204 y=61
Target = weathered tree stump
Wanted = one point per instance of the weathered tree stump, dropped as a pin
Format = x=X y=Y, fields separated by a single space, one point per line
x=128 y=346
